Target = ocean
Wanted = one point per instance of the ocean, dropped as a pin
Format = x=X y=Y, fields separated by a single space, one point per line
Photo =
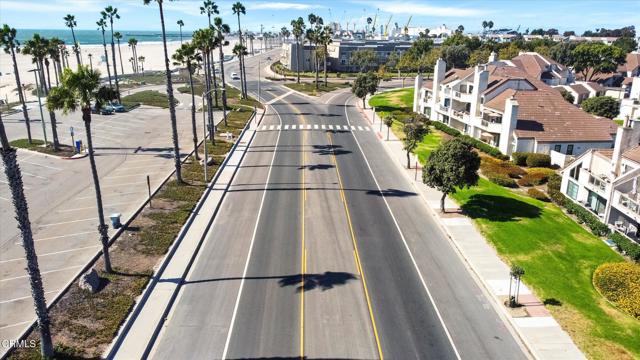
x=93 y=37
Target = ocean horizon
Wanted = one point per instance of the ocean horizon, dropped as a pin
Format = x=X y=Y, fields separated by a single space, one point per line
x=94 y=37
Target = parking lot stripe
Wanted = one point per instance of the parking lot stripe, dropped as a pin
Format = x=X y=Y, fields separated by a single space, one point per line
x=125 y=184
x=131 y=175
x=34 y=175
x=42 y=273
x=68 y=222
x=53 y=253
x=22 y=298
x=93 y=207
x=61 y=236
x=44 y=166
x=109 y=194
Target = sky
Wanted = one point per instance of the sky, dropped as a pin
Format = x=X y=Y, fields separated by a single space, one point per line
x=577 y=15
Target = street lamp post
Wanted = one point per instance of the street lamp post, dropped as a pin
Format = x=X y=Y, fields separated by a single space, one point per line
x=44 y=127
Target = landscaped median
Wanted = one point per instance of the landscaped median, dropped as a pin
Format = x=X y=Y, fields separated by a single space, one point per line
x=83 y=324
x=309 y=88
x=65 y=151
x=559 y=255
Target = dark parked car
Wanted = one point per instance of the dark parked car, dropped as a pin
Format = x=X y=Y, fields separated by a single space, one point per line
x=105 y=110
x=118 y=108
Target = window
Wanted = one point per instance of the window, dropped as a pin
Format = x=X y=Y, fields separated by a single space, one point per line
x=575 y=172
x=572 y=190
x=557 y=148
x=570 y=149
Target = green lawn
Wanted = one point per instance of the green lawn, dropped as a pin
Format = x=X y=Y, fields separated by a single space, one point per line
x=559 y=258
x=147 y=97
x=310 y=88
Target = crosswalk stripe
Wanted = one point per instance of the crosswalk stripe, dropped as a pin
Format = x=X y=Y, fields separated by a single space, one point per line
x=360 y=128
x=264 y=127
x=352 y=127
x=271 y=127
x=330 y=127
x=286 y=127
x=293 y=127
x=322 y=126
x=367 y=128
x=278 y=127
x=315 y=126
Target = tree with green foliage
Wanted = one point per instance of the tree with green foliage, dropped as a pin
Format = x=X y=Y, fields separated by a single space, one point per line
x=70 y=22
x=626 y=43
x=181 y=25
x=187 y=55
x=297 y=29
x=12 y=46
x=602 y=106
x=509 y=52
x=364 y=85
x=365 y=60
x=415 y=128
x=591 y=58
x=479 y=56
x=456 y=56
x=76 y=91
x=388 y=121
x=112 y=13
x=563 y=52
x=452 y=165
x=567 y=96
x=239 y=9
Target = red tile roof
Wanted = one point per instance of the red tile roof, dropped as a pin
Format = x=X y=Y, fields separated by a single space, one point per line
x=632 y=154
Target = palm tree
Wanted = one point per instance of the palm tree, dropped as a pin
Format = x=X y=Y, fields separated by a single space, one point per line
x=186 y=55
x=141 y=61
x=203 y=40
x=90 y=62
x=238 y=9
x=101 y=25
x=76 y=91
x=118 y=36
x=251 y=37
x=53 y=51
x=38 y=47
x=70 y=21
x=14 y=178
x=111 y=12
x=326 y=39
x=180 y=24
x=209 y=8
x=132 y=44
x=314 y=36
x=132 y=60
x=172 y=103
x=297 y=29
x=221 y=30
x=12 y=46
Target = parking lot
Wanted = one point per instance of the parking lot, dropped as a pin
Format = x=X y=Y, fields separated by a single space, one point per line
x=61 y=197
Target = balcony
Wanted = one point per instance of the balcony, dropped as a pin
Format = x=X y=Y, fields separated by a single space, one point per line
x=444 y=109
x=461 y=96
x=460 y=115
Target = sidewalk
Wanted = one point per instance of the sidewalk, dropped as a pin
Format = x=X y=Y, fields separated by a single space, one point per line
x=539 y=331
x=145 y=320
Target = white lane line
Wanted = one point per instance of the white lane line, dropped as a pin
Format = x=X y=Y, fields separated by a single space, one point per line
x=4 y=198
x=53 y=253
x=360 y=128
x=110 y=194
x=253 y=238
x=279 y=97
x=315 y=126
x=413 y=260
x=42 y=273
x=68 y=222
x=44 y=166
x=23 y=298
x=286 y=127
x=139 y=161
x=94 y=206
x=61 y=236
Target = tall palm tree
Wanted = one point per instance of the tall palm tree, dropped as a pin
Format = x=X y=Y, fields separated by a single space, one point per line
x=90 y=62
x=76 y=91
x=14 y=178
x=297 y=29
x=240 y=50
x=251 y=37
x=314 y=36
x=70 y=21
x=239 y=9
x=110 y=12
x=37 y=47
x=180 y=24
x=172 y=103
x=132 y=44
x=101 y=25
x=326 y=37
x=53 y=51
x=141 y=61
x=132 y=60
x=118 y=37
x=209 y=8
x=12 y=46
x=221 y=30
x=203 y=39
x=187 y=55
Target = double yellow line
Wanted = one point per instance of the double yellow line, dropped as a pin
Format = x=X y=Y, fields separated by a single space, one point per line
x=356 y=255
x=303 y=255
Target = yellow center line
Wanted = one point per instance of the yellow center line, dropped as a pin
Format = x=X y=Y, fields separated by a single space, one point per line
x=303 y=256
x=355 y=250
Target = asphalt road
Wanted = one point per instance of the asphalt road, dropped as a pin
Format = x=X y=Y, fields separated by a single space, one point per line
x=322 y=251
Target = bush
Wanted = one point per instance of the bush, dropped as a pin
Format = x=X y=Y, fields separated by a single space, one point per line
x=503 y=180
x=484 y=147
x=587 y=217
x=554 y=182
x=537 y=194
x=446 y=129
x=538 y=160
x=620 y=284
x=626 y=246
x=491 y=166
x=602 y=106
x=535 y=176
x=520 y=158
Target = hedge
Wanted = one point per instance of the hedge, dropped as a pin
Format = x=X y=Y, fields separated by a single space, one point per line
x=626 y=246
x=502 y=180
x=491 y=166
x=484 y=147
x=588 y=218
x=538 y=160
x=620 y=284
x=537 y=194
x=533 y=179
x=520 y=158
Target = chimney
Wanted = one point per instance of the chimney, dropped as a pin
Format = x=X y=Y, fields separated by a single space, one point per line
x=627 y=137
x=509 y=123
x=480 y=83
x=417 y=88
x=493 y=57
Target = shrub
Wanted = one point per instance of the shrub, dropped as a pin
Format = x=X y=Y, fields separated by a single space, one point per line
x=626 y=246
x=554 y=182
x=602 y=106
x=533 y=178
x=484 y=147
x=491 y=166
x=537 y=194
x=587 y=217
x=503 y=180
x=620 y=284
x=538 y=160
x=520 y=158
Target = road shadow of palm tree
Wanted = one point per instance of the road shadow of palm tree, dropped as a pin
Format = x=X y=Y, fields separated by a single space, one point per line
x=316 y=167
x=329 y=150
x=391 y=193
x=498 y=208
x=325 y=281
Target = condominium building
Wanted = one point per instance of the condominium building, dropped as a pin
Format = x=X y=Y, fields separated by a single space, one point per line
x=504 y=106
x=605 y=181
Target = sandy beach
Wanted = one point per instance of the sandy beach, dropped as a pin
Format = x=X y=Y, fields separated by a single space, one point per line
x=152 y=51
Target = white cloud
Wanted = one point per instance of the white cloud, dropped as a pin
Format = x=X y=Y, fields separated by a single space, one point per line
x=395 y=7
x=75 y=6
x=281 y=6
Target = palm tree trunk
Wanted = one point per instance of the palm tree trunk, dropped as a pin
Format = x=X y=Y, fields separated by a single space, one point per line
x=115 y=66
x=243 y=83
x=46 y=64
x=120 y=54
x=106 y=57
x=207 y=74
x=193 y=114
x=25 y=113
x=224 y=86
x=298 y=56
x=325 y=65
x=52 y=116
x=242 y=89
x=135 y=58
x=213 y=74
x=172 y=104
x=76 y=47
x=102 y=227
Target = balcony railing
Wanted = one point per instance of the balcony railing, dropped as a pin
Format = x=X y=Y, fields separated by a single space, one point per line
x=443 y=108
x=463 y=115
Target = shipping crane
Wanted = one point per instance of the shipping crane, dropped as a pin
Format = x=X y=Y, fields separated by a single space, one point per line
x=386 y=28
x=373 y=25
x=406 y=27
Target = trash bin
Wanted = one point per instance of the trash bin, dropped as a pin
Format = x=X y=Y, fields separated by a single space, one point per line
x=115 y=220
x=78 y=146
